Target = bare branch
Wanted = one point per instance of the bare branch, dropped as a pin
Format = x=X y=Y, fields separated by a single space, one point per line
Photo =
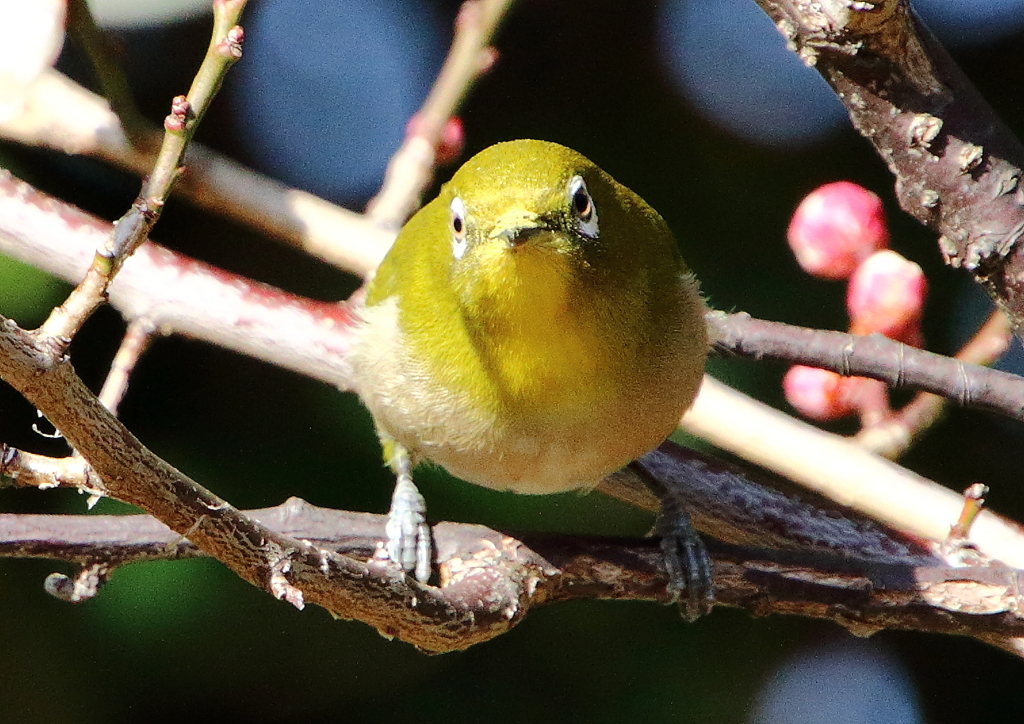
x=62 y=115
x=957 y=167
x=829 y=465
x=177 y=294
x=182 y=295
x=892 y=437
x=108 y=71
x=285 y=567
x=133 y=228
x=136 y=340
x=411 y=167
x=289 y=569
x=490 y=586
x=495 y=578
x=875 y=356
x=28 y=470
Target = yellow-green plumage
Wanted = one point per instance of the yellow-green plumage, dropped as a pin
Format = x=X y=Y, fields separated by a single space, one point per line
x=542 y=351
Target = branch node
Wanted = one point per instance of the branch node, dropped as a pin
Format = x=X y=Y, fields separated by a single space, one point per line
x=181 y=111
x=84 y=586
x=280 y=586
x=231 y=46
x=958 y=548
x=974 y=500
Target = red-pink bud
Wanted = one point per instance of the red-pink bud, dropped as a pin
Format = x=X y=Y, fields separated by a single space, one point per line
x=835 y=228
x=816 y=393
x=886 y=295
x=451 y=143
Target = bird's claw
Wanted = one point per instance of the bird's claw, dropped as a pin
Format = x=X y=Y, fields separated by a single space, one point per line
x=686 y=558
x=688 y=565
x=409 y=543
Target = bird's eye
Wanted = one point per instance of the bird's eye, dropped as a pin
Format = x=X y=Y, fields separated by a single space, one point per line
x=583 y=207
x=458 y=227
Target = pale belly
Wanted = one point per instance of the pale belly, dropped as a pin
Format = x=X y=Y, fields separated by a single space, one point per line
x=551 y=450
x=571 y=457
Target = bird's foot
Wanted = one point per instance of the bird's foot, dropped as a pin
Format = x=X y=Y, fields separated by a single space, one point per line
x=686 y=558
x=687 y=563
x=409 y=543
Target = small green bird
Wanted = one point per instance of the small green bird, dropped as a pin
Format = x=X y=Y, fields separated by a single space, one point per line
x=533 y=329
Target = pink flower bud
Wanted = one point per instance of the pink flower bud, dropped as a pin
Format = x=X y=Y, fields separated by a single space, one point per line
x=816 y=393
x=886 y=295
x=835 y=228
x=451 y=143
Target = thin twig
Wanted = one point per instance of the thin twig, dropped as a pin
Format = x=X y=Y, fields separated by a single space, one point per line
x=411 y=168
x=111 y=77
x=893 y=436
x=974 y=500
x=29 y=470
x=64 y=116
x=134 y=227
x=136 y=340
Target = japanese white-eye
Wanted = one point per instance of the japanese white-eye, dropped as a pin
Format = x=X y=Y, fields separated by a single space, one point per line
x=533 y=329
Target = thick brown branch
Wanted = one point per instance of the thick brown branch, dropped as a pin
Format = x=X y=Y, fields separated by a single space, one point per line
x=957 y=167
x=494 y=578
x=289 y=569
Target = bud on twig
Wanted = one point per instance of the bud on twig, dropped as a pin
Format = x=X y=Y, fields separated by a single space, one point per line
x=451 y=143
x=817 y=394
x=886 y=296
x=835 y=228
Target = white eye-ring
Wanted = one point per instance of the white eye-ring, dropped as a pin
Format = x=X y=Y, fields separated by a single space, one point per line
x=458 y=227
x=583 y=207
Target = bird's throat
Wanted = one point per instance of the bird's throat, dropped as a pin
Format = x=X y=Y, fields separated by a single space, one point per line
x=536 y=335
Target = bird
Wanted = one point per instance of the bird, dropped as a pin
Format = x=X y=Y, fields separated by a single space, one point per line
x=532 y=329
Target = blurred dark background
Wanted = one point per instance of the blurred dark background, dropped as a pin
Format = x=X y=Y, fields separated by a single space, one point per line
x=696 y=106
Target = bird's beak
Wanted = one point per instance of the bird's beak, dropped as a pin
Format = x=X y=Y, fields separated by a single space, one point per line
x=517 y=226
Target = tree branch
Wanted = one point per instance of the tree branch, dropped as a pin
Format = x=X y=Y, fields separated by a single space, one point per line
x=109 y=74
x=894 y=435
x=177 y=294
x=495 y=578
x=894 y=363
x=289 y=569
x=480 y=598
x=957 y=167
x=133 y=228
x=62 y=115
x=184 y=296
x=411 y=167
